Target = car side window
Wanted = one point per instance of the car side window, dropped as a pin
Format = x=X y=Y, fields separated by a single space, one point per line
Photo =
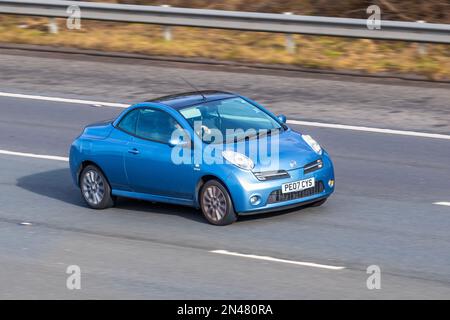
x=128 y=123
x=155 y=125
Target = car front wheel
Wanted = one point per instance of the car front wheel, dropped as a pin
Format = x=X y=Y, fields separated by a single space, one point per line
x=216 y=204
x=95 y=188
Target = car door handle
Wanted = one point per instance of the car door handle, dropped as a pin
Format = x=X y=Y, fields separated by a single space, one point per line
x=133 y=151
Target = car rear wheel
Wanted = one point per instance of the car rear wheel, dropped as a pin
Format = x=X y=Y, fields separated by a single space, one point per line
x=216 y=204
x=95 y=188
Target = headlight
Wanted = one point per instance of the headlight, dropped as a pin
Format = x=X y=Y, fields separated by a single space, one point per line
x=312 y=143
x=238 y=159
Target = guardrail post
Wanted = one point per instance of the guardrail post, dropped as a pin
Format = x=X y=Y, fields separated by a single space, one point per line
x=167 y=30
x=290 y=42
x=52 y=26
x=422 y=47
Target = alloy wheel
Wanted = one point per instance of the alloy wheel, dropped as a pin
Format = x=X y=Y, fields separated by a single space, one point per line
x=214 y=203
x=93 y=187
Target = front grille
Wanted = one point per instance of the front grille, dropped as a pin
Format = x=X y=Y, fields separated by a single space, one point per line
x=278 y=196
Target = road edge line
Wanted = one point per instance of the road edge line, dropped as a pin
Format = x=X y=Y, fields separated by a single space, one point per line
x=271 y=259
x=33 y=155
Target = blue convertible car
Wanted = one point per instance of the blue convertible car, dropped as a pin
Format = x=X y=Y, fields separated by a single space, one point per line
x=213 y=150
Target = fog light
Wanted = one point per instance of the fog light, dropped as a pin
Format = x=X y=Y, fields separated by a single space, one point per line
x=255 y=200
x=331 y=183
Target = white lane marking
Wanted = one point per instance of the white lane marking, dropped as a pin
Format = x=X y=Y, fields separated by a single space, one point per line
x=443 y=203
x=369 y=129
x=32 y=155
x=300 y=263
x=298 y=122
x=77 y=101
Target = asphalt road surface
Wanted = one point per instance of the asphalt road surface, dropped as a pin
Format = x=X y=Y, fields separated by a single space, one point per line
x=382 y=213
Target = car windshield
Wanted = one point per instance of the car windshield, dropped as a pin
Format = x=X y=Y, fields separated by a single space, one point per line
x=229 y=118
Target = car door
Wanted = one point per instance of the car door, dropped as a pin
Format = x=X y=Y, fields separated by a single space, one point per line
x=148 y=162
x=110 y=152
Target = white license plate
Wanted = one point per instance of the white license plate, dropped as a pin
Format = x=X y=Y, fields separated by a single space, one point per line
x=298 y=185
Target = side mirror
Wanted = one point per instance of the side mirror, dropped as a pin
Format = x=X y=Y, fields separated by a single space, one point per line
x=282 y=118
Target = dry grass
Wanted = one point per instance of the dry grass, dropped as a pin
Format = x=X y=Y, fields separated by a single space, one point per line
x=314 y=52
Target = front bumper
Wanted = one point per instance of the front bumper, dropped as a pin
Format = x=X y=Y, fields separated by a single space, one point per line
x=244 y=185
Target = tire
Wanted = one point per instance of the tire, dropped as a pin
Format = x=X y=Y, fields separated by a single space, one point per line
x=95 y=188
x=318 y=203
x=216 y=204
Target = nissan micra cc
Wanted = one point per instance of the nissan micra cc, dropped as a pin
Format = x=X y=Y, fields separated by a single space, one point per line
x=217 y=151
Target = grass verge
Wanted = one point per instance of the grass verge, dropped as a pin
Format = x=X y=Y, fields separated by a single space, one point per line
x=430 y=60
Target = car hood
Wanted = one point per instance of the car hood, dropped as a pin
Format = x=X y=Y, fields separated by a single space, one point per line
x=285 y=151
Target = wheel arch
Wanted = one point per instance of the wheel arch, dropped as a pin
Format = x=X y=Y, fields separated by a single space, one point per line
x=204 y=179
x=86 y=163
